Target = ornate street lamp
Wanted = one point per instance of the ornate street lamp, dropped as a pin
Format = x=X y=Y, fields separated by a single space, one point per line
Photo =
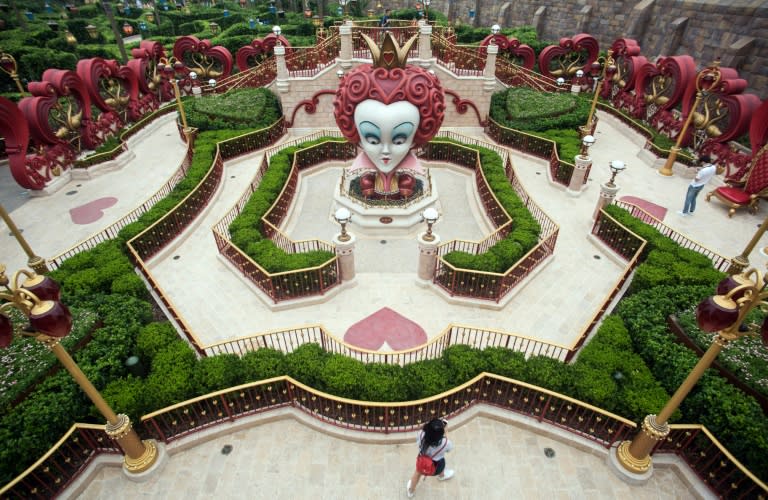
x=276 y=30
x=430 y=216
x=724 y=315
x=9 y=66
x=602 y=67
x=707 y=79
x=150 y=17
x=127 y=29
x=617 y=167
x=741 y=261
x=426 y=10
x=495 y=29
x=70 y=38
x=214 y=27
x=343 y=4
x=587 y=142
x=182 y=114
x=343 y=217
x=37 y=298
x=93 y=31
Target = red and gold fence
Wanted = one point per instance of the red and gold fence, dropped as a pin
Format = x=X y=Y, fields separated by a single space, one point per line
x=461 y=60
x=481 y=285
x=113 y=230
x=305 y=62
x=479 y=338
x=295 y=284
x=560 y=171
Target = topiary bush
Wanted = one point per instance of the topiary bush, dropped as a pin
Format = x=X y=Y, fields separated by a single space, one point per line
x=262 y=364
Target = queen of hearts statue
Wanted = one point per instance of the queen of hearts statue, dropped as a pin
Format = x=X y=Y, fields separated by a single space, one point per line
x=388 y=107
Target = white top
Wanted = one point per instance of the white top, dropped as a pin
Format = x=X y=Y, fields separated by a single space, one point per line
x=704 y=175
x=444 y=446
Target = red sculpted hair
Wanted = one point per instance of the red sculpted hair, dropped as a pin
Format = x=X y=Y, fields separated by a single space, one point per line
x=412 y=84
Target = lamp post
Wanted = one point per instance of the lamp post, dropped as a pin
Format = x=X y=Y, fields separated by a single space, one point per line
x=495 y=29
x=118 y=38
x=724 y=315
x=37 y=298
x=430 y=216
x=426 y=10
x=35 y=262
x=706 y=79
x=177 y=94
x=277 y=30
x=586 y=142
x=343 y=217
x=93 y=31
x=617 y=167
x=740 y=262
x=602 y=67
x=9 y=66
x=214 y=27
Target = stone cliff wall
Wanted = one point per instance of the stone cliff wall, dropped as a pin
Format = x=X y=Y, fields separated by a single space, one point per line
x=736 y=31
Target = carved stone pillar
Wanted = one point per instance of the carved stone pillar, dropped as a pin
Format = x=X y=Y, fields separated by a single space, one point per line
x=489 y=72
x=425 y=45
x=607 y=195
x=345 y=53
x=427 y=257
x=580 y=174
x=283 y=79
x=345 y=252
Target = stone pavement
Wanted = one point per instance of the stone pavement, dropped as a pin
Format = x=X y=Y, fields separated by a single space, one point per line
x=286 y=460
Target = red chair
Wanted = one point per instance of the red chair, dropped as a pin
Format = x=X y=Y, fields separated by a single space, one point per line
x=748 y=193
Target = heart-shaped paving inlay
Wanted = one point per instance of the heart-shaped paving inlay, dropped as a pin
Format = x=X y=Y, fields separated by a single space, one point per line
x=91 y=211
x=385 y=325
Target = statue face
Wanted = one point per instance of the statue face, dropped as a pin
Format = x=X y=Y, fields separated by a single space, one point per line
x=386 y=131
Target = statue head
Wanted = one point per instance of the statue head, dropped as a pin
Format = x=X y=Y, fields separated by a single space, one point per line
x=388 y=107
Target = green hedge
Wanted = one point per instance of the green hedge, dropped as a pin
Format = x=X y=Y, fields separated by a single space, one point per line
x=525 y=231
x=252 y=108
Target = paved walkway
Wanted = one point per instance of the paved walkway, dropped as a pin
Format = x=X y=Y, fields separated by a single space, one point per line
x=295 y=462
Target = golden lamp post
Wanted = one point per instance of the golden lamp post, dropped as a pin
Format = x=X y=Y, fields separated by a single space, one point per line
x=722 y=314
x=706 y=79
x=9 y=66
x=740 y=262
x=37 y=298
x=600 y=69
x=35 y=262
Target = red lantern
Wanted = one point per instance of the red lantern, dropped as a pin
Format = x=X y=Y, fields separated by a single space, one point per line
x=43 y=287
x=732 y=282
x=51 y=318
x=127 y=29
x=716 y=313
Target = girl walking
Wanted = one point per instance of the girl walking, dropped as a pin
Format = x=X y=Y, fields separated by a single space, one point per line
x=433 y=443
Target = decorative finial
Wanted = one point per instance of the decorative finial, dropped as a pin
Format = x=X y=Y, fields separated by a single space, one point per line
x=390 y=55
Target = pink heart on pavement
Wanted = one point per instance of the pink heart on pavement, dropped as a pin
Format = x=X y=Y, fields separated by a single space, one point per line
x=385 y=325
x=91 y=211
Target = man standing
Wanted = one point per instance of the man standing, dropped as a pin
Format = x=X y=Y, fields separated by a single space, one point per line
x=704 y=173
x=384 y=21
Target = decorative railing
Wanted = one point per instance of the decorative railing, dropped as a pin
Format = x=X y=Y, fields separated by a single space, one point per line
x=401 y=34
x=258 y=76
x=153 y=239
x=113 y=230
x=694 y=444
x=461 y=60
x=719 y=262
x=560 y=171
x=299 y=283
x=305 y=62
x=482 y=285
x=288 y=340
x=56 y=470
x=517 y=76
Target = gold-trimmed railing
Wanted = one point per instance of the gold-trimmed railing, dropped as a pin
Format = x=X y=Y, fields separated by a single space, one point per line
x=473 y=284
x=299 y=283
x=479 y=338
x=306 y=62
x=719 y=262
x=461 y=60
x=113 y=229
x=694 y=444
x=559 y=171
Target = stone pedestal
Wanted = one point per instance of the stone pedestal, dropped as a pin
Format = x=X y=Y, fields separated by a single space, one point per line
x=427 y=257
x=425 y=45
x=197 y=91
x=580 y=174
x=489 y=71
x=345 y=252
x=345 y=52
x=607 y=195
x=283 y=78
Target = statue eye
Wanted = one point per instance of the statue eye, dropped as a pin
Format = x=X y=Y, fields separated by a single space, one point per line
x=372 y=139
x=399 y=139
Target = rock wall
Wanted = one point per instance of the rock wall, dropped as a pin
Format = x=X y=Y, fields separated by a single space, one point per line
x=733 y=30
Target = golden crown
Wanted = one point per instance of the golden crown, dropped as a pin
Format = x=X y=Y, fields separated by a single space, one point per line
x=390 y=54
